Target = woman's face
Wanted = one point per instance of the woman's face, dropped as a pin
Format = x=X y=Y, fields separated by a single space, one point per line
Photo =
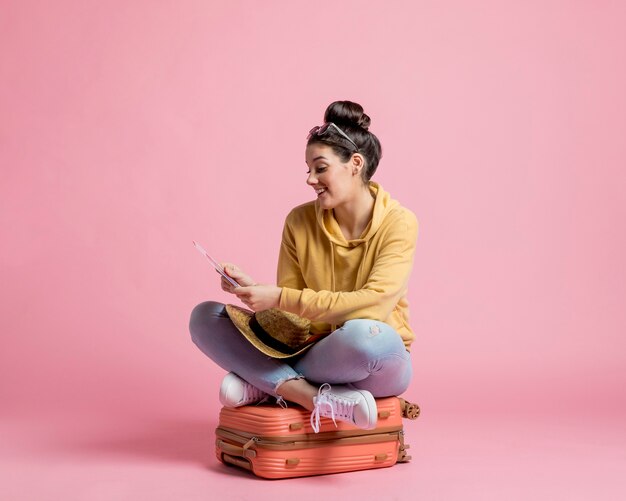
x=328 y=173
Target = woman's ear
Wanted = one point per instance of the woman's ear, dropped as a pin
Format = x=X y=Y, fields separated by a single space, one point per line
x=358 y=162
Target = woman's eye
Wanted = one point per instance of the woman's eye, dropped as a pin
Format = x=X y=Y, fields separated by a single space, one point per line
x=320 y=169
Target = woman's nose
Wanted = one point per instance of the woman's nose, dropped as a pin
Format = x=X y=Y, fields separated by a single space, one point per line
x=312 y=180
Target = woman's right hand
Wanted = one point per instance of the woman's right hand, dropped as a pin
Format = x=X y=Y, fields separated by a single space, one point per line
x=238 y=275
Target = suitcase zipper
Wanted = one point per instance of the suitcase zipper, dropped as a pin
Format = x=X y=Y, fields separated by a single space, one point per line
x=403 y=457
x=250 y=442
x=247 y=441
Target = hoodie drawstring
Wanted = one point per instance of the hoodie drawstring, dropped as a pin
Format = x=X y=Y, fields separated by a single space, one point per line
x=359 y=273
x=332 y=266
x=332 y=274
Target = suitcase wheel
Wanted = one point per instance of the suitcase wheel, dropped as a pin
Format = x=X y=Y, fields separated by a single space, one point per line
x=409 y=410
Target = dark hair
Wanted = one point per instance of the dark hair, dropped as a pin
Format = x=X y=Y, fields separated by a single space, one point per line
x=349 y=116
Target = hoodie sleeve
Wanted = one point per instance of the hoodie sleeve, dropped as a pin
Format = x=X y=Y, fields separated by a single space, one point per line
x=386 y=283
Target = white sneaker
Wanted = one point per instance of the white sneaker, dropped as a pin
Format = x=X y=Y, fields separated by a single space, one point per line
x=235 y=392
x=354 y=406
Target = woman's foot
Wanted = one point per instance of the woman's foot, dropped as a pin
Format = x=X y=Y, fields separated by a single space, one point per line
x=235 y=392
x=354 y=406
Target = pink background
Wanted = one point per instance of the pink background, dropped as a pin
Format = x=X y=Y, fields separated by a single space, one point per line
x=128 y=129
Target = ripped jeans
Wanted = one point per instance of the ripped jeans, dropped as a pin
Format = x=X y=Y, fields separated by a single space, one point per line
x=366 y=353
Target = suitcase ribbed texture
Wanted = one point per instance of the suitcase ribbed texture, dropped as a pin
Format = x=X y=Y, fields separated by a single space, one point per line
x=274 y=442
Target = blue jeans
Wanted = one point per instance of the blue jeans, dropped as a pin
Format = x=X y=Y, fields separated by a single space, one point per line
x=370 y=358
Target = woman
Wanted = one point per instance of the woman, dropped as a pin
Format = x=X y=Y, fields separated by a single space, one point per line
x=344 y=264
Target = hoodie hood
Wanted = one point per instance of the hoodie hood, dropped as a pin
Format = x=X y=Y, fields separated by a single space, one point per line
x=383 y=204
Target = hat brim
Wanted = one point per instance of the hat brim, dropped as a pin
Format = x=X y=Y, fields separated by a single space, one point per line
x=241 y=319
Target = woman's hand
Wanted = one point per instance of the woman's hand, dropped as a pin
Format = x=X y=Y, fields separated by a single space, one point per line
x=259 y=297
x=238 y=275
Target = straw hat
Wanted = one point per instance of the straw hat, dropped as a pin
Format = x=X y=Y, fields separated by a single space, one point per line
x=277 y=333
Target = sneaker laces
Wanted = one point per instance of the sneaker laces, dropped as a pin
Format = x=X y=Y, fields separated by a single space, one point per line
x=338 y=407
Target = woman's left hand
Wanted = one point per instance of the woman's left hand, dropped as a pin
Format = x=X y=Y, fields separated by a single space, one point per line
x=259 y=297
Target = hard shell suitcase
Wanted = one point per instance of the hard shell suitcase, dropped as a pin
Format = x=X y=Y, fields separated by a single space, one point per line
x=276 y=442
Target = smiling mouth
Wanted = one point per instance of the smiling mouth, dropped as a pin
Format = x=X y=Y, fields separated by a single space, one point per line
x=320 y=191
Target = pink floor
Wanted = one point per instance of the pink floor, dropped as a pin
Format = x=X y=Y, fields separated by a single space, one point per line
x=161 y=457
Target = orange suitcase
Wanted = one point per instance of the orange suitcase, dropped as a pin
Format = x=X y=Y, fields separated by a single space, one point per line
x=276 y=442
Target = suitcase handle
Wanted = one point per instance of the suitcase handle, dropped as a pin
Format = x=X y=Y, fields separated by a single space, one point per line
x=235 y=450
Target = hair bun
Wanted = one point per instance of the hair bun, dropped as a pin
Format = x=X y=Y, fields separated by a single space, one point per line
x=347 y=113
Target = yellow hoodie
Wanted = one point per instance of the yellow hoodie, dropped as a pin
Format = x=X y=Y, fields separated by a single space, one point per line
x=330 y=280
